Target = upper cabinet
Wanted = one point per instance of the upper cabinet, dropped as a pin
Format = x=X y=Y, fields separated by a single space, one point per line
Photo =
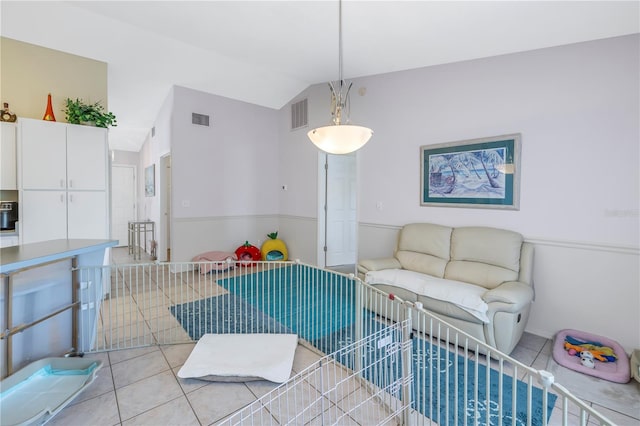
x=62 y=156
x=64 y=181
x=43 y=146
x=8 y=157
x=86 y=158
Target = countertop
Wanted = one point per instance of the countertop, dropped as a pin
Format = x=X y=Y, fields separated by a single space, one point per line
x=28 y=255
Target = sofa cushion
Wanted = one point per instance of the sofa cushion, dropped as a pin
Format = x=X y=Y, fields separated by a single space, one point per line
x=424 y=247
x=484 y=256
x=493 y=246
x=466 y=296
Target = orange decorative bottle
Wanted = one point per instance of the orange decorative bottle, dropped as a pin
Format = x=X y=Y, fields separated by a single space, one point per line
x=48 y=115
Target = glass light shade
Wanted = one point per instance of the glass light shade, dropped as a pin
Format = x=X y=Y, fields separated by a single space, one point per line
x=340 y=138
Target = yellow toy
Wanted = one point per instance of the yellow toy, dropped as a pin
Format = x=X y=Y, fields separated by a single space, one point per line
x=601 y=353
x=274 y=248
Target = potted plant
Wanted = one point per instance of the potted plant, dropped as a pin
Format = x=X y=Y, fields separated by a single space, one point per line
x=78 y=112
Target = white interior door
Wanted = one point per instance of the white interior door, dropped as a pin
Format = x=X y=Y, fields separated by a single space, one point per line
x=341 y=219
x=123 y=201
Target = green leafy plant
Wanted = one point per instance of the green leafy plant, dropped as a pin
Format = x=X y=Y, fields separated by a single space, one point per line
x=78 y=112
x=273 y=235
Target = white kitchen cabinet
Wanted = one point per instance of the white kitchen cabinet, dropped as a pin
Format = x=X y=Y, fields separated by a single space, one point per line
x=43 y=149
x=44 y=216
x=86 y=158
x=86 y=216
x=63 y=156
x=64 y=186
x=8 y=157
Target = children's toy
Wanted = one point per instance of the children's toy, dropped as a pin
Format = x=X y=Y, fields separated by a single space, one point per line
x=274 y=248
x=247 y=253
x=598 y=351
x=592 y=355
x=586 y=359
x=215 y=261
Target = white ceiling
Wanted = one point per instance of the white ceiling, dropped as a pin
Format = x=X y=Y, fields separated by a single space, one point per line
x=266 y=52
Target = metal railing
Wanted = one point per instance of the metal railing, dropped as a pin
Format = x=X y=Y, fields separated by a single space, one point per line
x=445 y=376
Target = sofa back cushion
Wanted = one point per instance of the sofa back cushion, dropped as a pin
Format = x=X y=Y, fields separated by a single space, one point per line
x=484 y=256
x=424 y=247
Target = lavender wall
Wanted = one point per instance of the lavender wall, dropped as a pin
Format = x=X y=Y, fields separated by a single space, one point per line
x=577 y=108
x=224 y=177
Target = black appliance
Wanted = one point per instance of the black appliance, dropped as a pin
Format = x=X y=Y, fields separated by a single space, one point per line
x=8 y=215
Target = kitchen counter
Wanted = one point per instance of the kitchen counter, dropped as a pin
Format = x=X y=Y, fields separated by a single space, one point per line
x=27 y=255
x=43 y=288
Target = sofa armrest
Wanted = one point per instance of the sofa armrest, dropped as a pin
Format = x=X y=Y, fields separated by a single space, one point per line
x=378 y=264
x=513 y=293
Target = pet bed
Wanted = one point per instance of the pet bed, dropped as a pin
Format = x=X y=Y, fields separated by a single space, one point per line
x=614 y=371
x=43 y=388
x=215 y=261
x=241 y=357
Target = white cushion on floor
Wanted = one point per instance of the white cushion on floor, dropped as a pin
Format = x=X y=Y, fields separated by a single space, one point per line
x=241 y=357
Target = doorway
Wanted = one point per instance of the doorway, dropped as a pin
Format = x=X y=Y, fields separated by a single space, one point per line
x=165 y=206
x=123 y=201
x=337 y=215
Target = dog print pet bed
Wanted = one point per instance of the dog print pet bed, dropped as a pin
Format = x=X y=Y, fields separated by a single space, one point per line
x=610 y=361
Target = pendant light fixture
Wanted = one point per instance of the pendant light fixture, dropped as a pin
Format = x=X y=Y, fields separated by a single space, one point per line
x=340 y=137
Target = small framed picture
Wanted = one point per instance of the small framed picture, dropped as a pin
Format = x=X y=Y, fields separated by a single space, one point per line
x=150 y=181
x=479 y=173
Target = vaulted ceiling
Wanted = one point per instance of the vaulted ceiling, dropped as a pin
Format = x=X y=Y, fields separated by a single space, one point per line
x=266 y=52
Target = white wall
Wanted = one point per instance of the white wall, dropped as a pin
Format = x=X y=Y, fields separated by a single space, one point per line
x=577 y=108
x=221 y=173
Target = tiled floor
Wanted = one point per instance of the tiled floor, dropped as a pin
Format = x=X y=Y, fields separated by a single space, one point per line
x=140 y=387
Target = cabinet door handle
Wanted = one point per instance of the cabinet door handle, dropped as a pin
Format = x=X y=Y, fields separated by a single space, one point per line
x=70 y=183
x=61 y=183
x=62 y=198
x=71 y=198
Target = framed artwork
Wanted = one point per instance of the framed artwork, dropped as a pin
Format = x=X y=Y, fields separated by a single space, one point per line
x=150 y=181
x=481 y=173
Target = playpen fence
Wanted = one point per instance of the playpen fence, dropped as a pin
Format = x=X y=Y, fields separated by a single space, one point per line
x=448 y=376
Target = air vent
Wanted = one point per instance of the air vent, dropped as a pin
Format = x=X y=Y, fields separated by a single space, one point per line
x=200 y=119
x=299 y=115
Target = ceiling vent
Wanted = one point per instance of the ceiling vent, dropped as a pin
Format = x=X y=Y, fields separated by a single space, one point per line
x=200 y=119
x=299 y=115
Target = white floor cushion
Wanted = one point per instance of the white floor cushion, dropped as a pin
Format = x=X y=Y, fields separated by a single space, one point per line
x=241 y=357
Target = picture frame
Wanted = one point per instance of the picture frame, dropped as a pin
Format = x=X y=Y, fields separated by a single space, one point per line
x=150 y=181
x=476 y=173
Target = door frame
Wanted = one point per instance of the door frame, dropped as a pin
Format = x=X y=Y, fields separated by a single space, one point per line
x=164 y=231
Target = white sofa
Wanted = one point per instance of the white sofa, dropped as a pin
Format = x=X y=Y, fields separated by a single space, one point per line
x=478 y=279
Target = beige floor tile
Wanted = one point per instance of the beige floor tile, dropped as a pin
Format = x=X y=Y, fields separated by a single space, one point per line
x=172 y=336
x=617 y=417
x=148 y=393
x=261 y=387
x=300 y=403
x=116 y=357
x=177 y=412
x=189 y=385
x=304 y=358
x=228 y=397
x=164 y=322
x=135 y=369
x=176 y=355
x=533 y=342
x=99 y=411
x=101 y=385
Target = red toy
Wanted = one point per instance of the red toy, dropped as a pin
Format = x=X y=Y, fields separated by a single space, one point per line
x=247 y=253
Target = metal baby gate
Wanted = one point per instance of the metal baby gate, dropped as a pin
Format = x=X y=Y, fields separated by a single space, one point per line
x=384 y=360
